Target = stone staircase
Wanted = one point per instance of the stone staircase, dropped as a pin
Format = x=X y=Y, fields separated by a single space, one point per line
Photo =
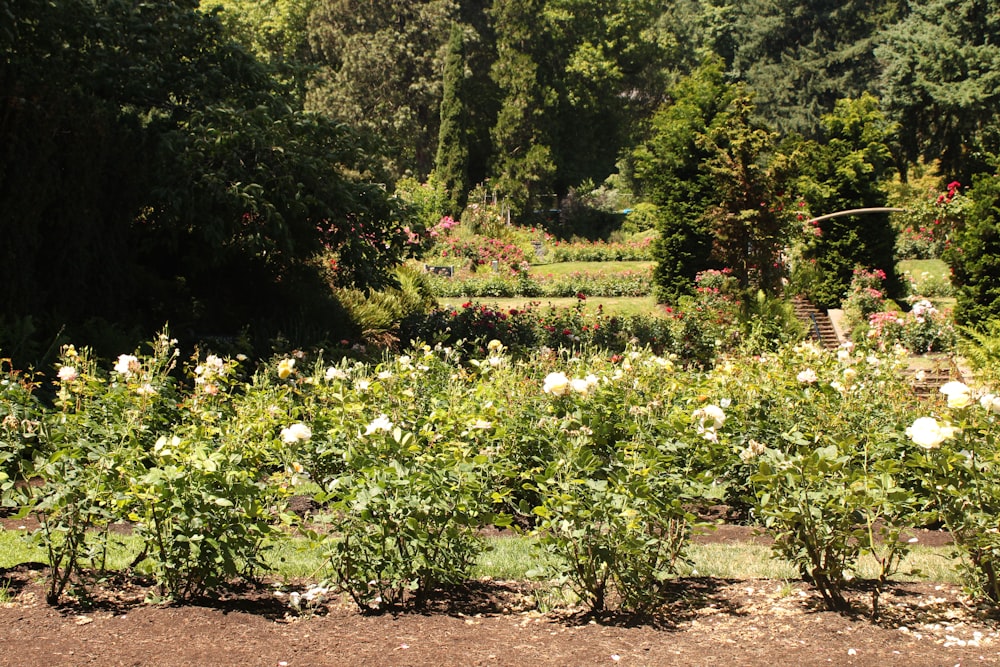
x=818 y=325
x=927 y=378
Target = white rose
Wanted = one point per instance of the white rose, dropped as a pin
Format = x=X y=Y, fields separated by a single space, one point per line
x=928 y=433
x=808 y=376
x=556 y=384
x=68 y=374
x=126 y=365
x=296 y=433
x=380 y=423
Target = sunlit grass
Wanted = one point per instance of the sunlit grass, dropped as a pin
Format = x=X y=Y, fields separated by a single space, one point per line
x=511 y=557
x=622 y=306
x=601 y=268
x=934 y=268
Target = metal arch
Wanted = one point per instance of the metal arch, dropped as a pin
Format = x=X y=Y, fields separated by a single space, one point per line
x=858 y=211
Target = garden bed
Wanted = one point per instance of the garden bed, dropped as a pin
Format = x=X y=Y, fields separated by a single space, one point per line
x=710 y=621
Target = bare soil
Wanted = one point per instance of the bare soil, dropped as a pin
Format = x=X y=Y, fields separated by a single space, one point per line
x=708 y=622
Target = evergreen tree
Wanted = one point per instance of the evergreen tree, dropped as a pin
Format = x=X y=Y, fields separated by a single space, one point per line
x=452 y=165
x=800 y=56
x=849 y=169
x=379 y=70
x=750 y=224
x=974 y=255
x=670 y=169
x=941 y=83
x=523 y=168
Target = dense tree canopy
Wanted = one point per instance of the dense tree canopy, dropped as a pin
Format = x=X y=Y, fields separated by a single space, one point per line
x=847 y=168
x=149 y=149
x=152 y=170
x=941 y=81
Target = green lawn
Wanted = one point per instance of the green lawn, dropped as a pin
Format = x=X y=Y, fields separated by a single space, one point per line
x=567 y=268
x=645 y=305
x=512 y=557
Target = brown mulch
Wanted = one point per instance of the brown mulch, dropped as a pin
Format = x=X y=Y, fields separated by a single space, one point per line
x=708 y=622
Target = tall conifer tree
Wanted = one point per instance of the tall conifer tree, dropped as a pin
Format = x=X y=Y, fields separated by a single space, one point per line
x=452 y=164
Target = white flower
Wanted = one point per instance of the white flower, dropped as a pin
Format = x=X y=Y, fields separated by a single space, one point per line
x=958 y=393
x=146 y=390
x=710 y=418
x=363 y=385
x=380 y=423
x=751 y=451
x=384 y=375
x=127 y=365
x=295 y=433
x=850 y=375
x=334 y=373
x=495 y=361
x=808 y=376
x=843 y=356
x=923 y=307
x=556 y=384
x=285 y=367
x=928 y=433
x=990 y=402
x=68 y=374
x=482 y=424
x=494 y=346
x=592 y=380
x=404 y=361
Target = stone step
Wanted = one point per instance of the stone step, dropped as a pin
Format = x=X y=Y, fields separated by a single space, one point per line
x=817 y=322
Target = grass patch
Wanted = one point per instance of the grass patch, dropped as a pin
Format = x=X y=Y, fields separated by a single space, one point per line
x=511 y=557
x=934 y=268
x=556 y=269
x=622 y=306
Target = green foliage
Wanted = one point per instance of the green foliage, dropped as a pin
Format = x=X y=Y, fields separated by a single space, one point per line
x=959 y=475
x=974 y=255
x=848 y=170
x=609 y=284
x=812 y=499
x=614 y=527
x=799 y=58
x=750 y=226
x=152 y=155
x=379 y=70
x=670 y=169
x=20 y=423
x=981 y=348
x=405 y=518
x=452 y=164
x=939 y=83
x=377 y=315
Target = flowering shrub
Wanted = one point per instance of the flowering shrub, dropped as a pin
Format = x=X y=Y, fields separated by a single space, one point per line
x=958 y=456
x=921 y=330
x=927 y=285
x=602 y=251
x=480 y=251
x=865 y=296
x=602 y=453
x=132 y=445
x=924 y=230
